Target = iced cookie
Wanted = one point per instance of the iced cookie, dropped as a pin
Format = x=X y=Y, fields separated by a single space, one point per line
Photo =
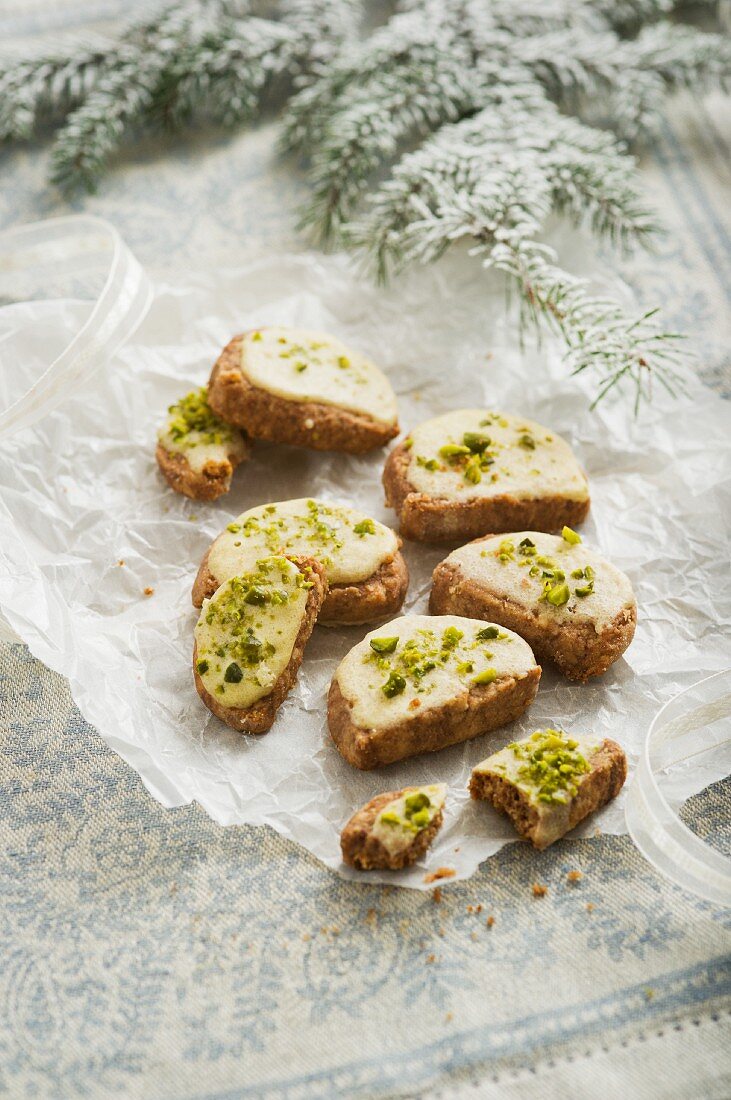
x=250 y=638
x=550 y=781
x=474 y=472
x=366 y=572
x=304 y=388
x=423 y=682
x=571 y=605
x=196 y=452
x=393 y=830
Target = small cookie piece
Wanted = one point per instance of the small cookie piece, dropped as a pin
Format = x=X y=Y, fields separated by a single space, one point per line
x=304 y=388
x=423 y=682
x=196 y=452
x=250 y=638
x=474 y=472
x=569 y=603
x=393 y=830
x=549 y=782
x=366 y=572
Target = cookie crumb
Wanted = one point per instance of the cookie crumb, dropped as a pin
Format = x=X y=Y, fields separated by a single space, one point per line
x=121 y=561
x=414 y=704
x=589 y=907
x=437 y=895
x=474 y=936
x=148 y=591
x=306 y=937
x=448 y=1017
x=441 y=872
x=574 y=876
x=431 y=958
x=539 y=891
x=478 y=908
x=371 y=917
x=490 y=921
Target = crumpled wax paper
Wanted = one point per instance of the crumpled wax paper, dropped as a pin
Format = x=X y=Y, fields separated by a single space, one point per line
x=80 y=494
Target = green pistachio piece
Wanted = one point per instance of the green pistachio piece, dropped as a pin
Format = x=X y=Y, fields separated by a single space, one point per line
x=487 y=633
x=476 y=442
x=527 y=441
x=388 y=817
x=451 y=637
x=487 y=676
x=233 y=674
x=383 y=645
x=453 y=450
x=570 y=536
x=585 y=590
x=365 y=527
x=202 y=667
x=559 y=595
x=394 y=685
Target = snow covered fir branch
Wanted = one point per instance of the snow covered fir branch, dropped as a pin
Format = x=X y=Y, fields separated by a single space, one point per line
x=468 y=121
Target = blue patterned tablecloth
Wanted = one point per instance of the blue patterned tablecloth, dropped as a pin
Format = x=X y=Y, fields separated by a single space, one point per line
x=150 y=953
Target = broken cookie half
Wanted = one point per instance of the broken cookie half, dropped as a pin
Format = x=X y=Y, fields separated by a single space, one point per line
x=196 y=451
x=394 y=829
x=547 y=783
x=250 y=639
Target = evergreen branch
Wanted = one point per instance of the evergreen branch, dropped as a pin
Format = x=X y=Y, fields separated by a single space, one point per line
x=37 y=90
x=497 y=198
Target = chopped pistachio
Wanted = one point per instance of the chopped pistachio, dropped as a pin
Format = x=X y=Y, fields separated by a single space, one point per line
x=585 y=590
x=527 y=441
x=476 y=442
x=233 y=674
x=570 y=536
x=202 y=667
x=365 y=527
x=451 y=636
x=234 y=528
x=487 y=633
x=427 y=463
x=343 y=362
x=258 y=336
x=394 y=685
x=408 y=443
x=383 y=645
x=487 y=676
x=453 y=450
x=559 y=595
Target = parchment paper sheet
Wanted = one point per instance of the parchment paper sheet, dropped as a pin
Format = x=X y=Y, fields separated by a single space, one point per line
x=80 y=493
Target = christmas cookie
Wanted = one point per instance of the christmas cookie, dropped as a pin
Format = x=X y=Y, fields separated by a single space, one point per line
x=366 y=572
x=393 y=830
x=250 y=638
x=550 y=781
x=569 y=603
x=196 y=452
x=305 y=388
x=423 y=682
x=475 y=472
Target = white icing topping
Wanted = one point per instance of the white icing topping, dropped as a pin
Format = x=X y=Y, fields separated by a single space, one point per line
x=363 y=673
x=312 y=366
x=350 y=545
x=539 y=466
x=481 y=563
x=395 y=837
x=257 y=638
